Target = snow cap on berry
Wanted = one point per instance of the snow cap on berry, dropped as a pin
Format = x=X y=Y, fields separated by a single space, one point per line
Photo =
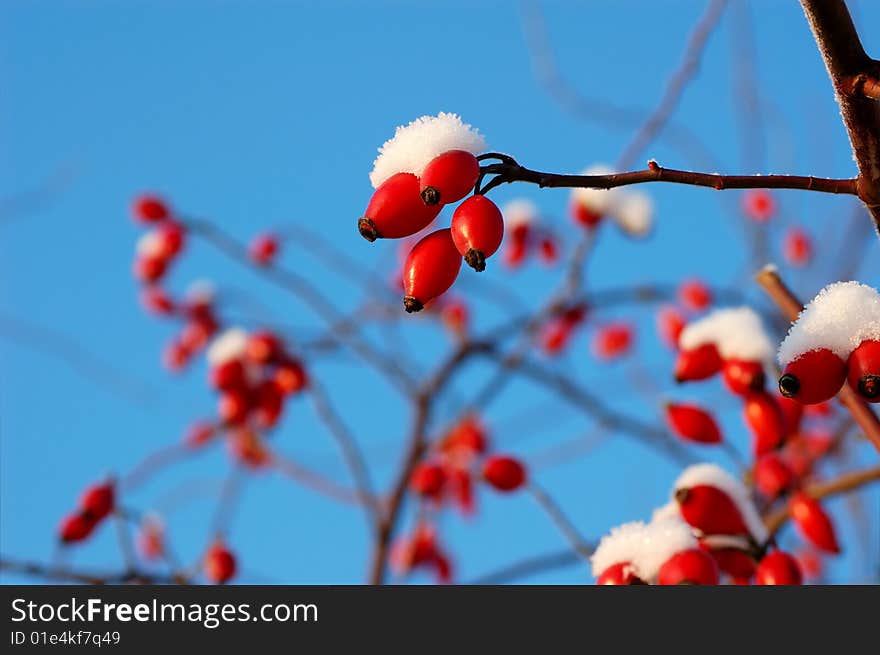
x=839 y=318
x=201 y=291
x=598 y=201
x=231 y=344
x=737 y=332
x=150 y=244
x=714 y=476
x=667 y=511
x=413 y=146
x=634 y=213
x=520 y=211
x=646 y=546
x=622 y=544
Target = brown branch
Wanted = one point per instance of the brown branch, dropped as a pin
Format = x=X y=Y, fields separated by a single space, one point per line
x=854 y=77
x=314 y=481
x=61 y=574
x=529 y=567
x=863 y=415
x=510 y=171
x=819 y=490
x=675 y=86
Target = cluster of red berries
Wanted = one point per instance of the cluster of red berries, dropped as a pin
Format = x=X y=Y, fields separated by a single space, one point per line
x=819 y=374
x=610 y=341
x=254 y=375
x=158 y=248
x=527 y=236
x=405 y=204
x=96 y=503
x=447 y=475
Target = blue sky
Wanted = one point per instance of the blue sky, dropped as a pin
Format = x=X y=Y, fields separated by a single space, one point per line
x=258 y=115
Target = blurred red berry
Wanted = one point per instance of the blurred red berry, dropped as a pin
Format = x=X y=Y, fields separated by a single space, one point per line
x=759 y=205
x=692 y=423
x=149 y=208
x=504 y=473
x=219 y=563
x=798 y=247
x=263 y=249
x=695 y=295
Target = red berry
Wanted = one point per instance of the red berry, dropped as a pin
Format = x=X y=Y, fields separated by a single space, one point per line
x=798 y=247
x=792 y=412
x=814 y=377
x=176 y=355
x=864 y=370
x=692 y=423
x=98 y=500
x=504 y=473
x=234 y=406
x=263 y=249
x=465 y=440
x=698 y=363
x=170 y=239
x=462 y=488
x=812 y=521
x=396 y=210
x=150 y=209
x=430 y=269
x=149 y=268
x=477 y=230
x=743 y=376
x=219 y=564
x=759 y=205
x=228 y=375
x=155 y=300
x=670 y=324
x=583 y=215
x=734 y=562
x=263 y=347
x=449 y=177
x=517 y=246
x=773 y=476
x=778 y=568
x=151 y=539
x=548 y=249
x=765 y=420
x=613 y=341
x=428 y=479
x=269 y=403
x=695 y=295
x=291 y=377
x=455 y=317
x=694 y=566
x=247 y=447
x=76 y=527
x=621 y=573
x=710 y=510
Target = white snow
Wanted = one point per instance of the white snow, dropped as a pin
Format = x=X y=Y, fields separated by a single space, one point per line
x=229 y=345
x=622 y=544
x=413 y=146
x=519 y=211
x=669 y=510
x=663 y=539
x=634 y=213
x=839 y=318
x=714 y=476
x=201 y=292
x=645 y=546
x=599 y=201
x=737 y=332
x=150 y=244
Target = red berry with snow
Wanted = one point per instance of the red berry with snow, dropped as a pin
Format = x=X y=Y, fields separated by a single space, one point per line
x=699 y=363
x=813 y=523
x=694 y=566
x=169 y=240
x=742 y=376
x=813 y=377
x=219 y=563
x=449 y=177
x=504 y=473
x=692 y=423
x=149 y=268
x=228 y=375
x=396 y=210
x=477 y=230
x=584 y=215
x=149 y=208
x=430 y=269
x=710 y=510
x=765 y=420
x=621 y=573
x=863 y=368
x=778 y=568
